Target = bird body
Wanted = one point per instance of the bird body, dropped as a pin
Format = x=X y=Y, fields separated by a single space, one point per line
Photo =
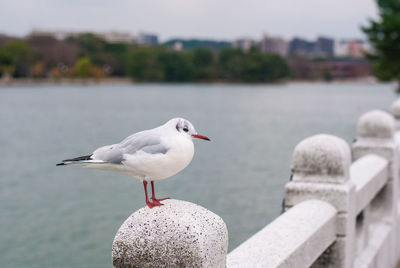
x=175 y=154
x=148 y=155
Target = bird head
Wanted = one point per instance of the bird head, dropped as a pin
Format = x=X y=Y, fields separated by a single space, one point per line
x=184 y=127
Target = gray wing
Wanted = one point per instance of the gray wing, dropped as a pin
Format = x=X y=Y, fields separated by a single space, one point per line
x=142 y=141
x=108 y=154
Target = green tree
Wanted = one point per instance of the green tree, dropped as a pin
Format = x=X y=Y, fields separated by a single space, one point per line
x=117 y=60
x=263 y=67
x=175 y=65
x=327 y=75
x=15 y=58
x=230 y=63
x=384 y=34
x=252 y=66
x=91 y=43
x=256 y=66
x=143 y=64
x=278 y=67
x=203 y=64
x=95 y=48
x=6 y=62
x=83 y=67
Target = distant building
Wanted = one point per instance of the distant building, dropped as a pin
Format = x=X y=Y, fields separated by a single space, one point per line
x=147 y=39
x=335 y=68
x=340 y=49
x=178 y=46
x=111 y=36
x=116 y=37
x=244 y=43
x=367 y=47
x=59 y=35
x=323 y=47
x=353 y=48
x=345 y=69
x=300 y=48
x=274 y=45
x=188 y=44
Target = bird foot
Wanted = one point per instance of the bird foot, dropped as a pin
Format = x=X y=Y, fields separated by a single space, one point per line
x=158 y=200
x=153 y=204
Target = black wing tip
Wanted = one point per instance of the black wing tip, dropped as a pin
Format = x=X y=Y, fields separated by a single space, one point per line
x=80 y=158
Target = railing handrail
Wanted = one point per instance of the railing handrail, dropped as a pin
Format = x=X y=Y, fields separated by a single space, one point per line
x=369 y=174
x=299 y=237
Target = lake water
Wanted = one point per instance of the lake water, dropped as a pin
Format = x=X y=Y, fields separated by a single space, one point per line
x=68 y=216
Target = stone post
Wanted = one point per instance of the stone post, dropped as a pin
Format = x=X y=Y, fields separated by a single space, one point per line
x=375 y=135
x=395 y=109
x=178 y=234
x=321 y=171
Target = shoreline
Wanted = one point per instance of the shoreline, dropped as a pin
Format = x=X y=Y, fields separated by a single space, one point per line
x=64 y=81
x=129 y=81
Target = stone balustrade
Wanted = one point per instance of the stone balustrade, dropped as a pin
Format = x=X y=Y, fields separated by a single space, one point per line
x=342 y=209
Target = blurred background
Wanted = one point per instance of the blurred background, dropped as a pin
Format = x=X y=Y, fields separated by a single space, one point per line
x=257 y=77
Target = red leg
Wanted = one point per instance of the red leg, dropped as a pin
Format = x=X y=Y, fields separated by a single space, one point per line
x=148 y=203
x=153 y=195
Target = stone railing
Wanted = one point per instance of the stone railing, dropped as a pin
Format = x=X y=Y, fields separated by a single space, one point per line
x=342 y=210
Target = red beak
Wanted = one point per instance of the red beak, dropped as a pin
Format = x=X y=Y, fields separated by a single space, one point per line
x=199 y=136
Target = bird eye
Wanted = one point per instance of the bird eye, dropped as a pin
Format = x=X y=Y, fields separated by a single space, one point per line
x=185 y=129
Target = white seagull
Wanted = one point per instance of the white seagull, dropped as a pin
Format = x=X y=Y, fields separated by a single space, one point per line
x=148 y=155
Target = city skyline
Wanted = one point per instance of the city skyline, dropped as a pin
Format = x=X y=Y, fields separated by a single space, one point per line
x=190 y=19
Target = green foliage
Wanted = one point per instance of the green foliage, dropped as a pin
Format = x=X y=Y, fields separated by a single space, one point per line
x=101 y=53
x=6 y=58
x=203 y=64
x=253 y=66
x=117 y=60
x=15 y=57
x=91 y=43
x=278 y=67
x=384 y=34
x=143 y=64
x=175 y=65
x=83 y=67
x=87 y=55
x=93 y=47
x=233 y=65
x=327 y=75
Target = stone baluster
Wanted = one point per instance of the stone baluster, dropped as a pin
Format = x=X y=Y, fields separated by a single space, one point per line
x=178 y=234
x=321 y=171
x=375 y=135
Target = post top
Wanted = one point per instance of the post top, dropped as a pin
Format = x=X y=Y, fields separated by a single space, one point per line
x=321 y=158
x=395 y=108
x=376 y=124
x=177 y=234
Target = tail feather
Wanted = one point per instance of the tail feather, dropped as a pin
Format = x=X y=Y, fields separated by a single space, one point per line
x=76 y=160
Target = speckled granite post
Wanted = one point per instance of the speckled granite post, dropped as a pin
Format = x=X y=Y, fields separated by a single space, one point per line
x=178 y=234
x=395 y=109
x=376 y=135
x=321 y=171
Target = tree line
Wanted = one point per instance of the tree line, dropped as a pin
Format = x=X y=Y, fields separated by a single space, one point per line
x=87 y=55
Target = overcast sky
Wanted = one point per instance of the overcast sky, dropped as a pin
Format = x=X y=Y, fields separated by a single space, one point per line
x=216 y=19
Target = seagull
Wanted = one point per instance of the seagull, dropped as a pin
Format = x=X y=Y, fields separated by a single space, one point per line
x=148 y=155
